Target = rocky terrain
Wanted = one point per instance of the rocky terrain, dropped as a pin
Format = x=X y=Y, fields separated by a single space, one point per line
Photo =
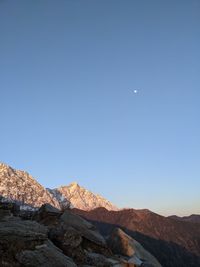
x=20 y=186
x=80 y=198
x=51 y=238
x=128 y=236
x=174 y=243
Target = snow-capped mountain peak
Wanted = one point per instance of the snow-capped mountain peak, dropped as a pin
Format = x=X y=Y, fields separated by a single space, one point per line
x=21 y=187
x=81 y=198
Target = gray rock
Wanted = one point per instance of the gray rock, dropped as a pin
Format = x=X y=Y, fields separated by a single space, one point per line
x=135 y=261
x=4 y=213
x=65 y=236
x=98 y=260
x=86 y=229
x=46 y=255
x=121 y=243
x=16 y=230
x=47 y=215
x=25 y=243
x=47 y=208
x=76 y=236
x=69 y=240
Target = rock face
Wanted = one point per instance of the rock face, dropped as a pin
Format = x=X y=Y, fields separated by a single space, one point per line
x=121 y=243
x=26 y=243
x=19 y=186
x=84 y=227
x=78 y=197
x=72 y=234
x=46 y=255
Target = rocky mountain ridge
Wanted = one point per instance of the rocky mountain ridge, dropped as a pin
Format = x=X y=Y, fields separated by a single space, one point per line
x=80 y=198
x=161 y=236
x=194 y=218
x=20 y=186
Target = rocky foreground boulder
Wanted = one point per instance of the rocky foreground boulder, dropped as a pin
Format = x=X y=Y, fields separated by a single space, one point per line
x=51 y=238
x=26 y=243
x=76 y=237
x=123 y=244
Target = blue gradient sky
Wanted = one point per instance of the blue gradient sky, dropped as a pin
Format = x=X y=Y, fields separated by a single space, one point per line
x=68 y=112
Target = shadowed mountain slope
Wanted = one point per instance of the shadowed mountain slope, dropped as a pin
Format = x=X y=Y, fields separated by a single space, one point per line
x=175 y=243
x=194 y=218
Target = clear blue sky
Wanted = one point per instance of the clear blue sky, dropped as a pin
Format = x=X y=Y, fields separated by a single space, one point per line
x=68 y=112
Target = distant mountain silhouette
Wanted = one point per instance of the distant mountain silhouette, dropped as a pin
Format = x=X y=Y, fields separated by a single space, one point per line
x=195 y=218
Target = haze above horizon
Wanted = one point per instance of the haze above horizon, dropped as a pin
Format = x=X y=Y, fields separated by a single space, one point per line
x=68 y=72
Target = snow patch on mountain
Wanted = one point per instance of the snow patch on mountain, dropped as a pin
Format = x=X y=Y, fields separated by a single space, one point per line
x=21 y=187
x=80 y=198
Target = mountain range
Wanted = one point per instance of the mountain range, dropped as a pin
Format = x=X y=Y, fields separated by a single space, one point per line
x=195 y=218
x=173 y=240
x=75 y=196
x=20 y=186
x=175 y=243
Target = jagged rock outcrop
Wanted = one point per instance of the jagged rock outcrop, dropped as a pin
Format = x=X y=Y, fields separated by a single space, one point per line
x=121 y=243
x=20 y=186
x=26 y=243
x=80 y=240
x=78 y=197
x=54 y=238
x=68 y=242
x=84 y=227
x=72 y=234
